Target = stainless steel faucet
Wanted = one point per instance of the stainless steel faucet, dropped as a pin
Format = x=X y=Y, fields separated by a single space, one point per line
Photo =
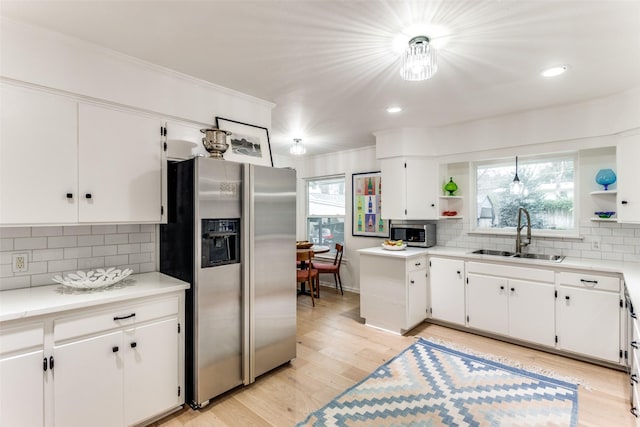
x=519 y=243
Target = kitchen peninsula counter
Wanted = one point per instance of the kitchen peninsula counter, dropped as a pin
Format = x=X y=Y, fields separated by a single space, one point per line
x=43 y=300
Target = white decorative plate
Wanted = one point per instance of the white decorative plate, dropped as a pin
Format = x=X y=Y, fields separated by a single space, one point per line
x=394 y=247
x=100 y=278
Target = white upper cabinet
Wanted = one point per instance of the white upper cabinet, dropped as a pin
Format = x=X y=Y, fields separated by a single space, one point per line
x=409 y=188
x=627 y=154
x=38 y=157
x=65 y=162
x=184 y=140
x=120 y=166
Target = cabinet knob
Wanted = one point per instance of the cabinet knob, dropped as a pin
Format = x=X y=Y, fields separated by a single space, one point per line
x=418 y=264
x=458 y=272
x=51 y=362
x=567 y=297
x=412 y=282
x=513 y=289
x=433 y=205
x=115 y=349
x=502 y=288
x=44 y=364
x=88 y=195
x=69 y=195
x=624 y=202
x=134 y=344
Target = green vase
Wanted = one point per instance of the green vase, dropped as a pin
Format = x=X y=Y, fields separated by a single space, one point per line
x=451 y=187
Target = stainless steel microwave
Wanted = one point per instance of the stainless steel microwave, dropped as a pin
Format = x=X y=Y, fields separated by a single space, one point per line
x=421 y=235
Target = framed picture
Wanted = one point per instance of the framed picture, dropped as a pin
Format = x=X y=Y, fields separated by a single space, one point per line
x=248 y=143
x=366 y=219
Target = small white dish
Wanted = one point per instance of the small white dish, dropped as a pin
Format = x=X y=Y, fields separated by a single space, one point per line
x=100 y=278
x=394 y=247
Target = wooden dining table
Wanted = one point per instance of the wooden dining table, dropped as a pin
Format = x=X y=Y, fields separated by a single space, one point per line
x=315 y=249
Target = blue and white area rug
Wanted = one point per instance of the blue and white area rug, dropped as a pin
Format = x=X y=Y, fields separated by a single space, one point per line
x=431 y=385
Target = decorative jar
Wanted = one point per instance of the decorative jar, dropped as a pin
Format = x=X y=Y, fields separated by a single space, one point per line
x=606 y=177
x=451 y=187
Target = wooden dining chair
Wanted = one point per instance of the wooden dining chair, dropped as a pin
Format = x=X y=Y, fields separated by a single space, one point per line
x=308 y=274
x=326 y=268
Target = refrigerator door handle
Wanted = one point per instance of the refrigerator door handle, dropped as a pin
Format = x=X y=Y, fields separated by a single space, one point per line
x=248 y=282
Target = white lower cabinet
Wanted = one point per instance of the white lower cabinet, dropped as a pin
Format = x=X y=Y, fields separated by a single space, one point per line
x=447 y=290
x=111 y=365
x=23 y=368
x=151 y=379
x=589 y=315
x=393 y=291
x=88 y=379
x=516 y=308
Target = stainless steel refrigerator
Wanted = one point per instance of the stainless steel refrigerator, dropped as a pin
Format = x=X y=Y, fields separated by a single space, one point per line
x=231 y=234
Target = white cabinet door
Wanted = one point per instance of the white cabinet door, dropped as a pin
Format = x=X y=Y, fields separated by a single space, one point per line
x=447 y=290
x=487 y=303
x=416 y=297
x=88 y=381
x=127 y=185
x=393 y=198
x=38 y=157
x=151 y=370
x=22 y=390
x=589 y=322
x=627 y=154
x=184 y=141
x=532 y=311
x=421 y=178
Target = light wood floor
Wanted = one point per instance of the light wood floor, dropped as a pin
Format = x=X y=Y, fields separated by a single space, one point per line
x=336 y=350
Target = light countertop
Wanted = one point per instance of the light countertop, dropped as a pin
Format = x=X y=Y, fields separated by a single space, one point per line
x=40 y=300
x=629 y=270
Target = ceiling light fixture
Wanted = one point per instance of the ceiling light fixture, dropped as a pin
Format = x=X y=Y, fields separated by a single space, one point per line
x=297 y=149
x=419 y=60
x=516 y=186
x=554 y=71
x=394 y=109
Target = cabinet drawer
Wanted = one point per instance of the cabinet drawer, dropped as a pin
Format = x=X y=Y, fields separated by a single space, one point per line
x=21 y=337
x=592 y=281
x=417 y=263
x=508 y=271
x=116 y=317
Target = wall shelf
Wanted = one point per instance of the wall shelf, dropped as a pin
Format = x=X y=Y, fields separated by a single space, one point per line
x=452 y=197
x=450 y=217
x=604 y=219
x=604 y=193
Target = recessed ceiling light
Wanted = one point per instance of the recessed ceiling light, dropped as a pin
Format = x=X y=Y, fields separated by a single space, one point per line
x=394 y=109
x=554 y=71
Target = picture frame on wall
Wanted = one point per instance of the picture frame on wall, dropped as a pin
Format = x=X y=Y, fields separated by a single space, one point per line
x=247 y=143
x=366 y=214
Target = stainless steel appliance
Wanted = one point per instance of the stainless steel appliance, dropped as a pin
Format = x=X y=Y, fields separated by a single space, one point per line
x=413 y=233
x=231 y=234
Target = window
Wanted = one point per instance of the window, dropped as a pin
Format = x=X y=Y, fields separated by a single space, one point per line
x=548 y=194
x=326 y=211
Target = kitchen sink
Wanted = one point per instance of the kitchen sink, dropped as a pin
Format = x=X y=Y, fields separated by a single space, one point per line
x=507 y=254
x=493 y=252
x=554 y=258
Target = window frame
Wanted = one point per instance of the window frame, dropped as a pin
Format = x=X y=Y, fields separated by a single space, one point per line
x=332 y=250
x=511 y=231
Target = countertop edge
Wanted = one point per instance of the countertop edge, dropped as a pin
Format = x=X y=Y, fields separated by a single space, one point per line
x=21 y=304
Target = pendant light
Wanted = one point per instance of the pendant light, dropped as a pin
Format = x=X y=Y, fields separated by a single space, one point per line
x=516 y=186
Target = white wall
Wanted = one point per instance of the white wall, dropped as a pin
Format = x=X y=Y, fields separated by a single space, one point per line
x=342 y=163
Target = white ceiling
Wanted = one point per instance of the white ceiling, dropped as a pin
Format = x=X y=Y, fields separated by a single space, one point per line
x=330 y=66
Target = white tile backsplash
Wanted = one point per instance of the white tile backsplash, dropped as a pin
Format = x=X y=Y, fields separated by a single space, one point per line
x=60 y=250
x=617 y=242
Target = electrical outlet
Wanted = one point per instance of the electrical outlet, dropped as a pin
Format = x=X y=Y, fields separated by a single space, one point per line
x=595 y=244
x=20 y=262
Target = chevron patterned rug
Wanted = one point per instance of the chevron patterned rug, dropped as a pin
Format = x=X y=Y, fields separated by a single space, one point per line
x=431 y=385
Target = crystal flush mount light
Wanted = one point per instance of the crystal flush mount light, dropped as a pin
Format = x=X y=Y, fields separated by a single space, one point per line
x=297 y=149
x=419 y=60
